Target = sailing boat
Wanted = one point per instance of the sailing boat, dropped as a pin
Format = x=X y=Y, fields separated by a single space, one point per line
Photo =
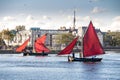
x=91 y=46
x=39 y=46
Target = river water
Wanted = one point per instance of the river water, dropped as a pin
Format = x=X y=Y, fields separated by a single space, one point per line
x=17 y=67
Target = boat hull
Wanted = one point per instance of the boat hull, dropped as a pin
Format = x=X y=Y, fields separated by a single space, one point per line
x=85 y=59
x=35 y=54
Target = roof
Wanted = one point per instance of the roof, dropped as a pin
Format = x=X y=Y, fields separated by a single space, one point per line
x=35 y=28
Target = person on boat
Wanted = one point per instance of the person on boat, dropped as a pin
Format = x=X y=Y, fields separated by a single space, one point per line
x=43 y=52
x=26 y=52
x=73 y=55
x=70 y=59
x=93 y=56
x=30 y=51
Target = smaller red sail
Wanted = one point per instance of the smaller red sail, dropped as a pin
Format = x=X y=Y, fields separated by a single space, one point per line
x=39 y=44
x=23 y=46
x=69 y=48
x=91 y=43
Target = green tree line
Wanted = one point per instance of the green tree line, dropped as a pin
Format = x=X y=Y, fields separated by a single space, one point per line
x=112 y=39
x=64 y=38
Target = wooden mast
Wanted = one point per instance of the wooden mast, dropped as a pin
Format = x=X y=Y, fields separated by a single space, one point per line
x=74 y=20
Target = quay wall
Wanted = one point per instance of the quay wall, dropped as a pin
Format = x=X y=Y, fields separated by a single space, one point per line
x=55 y=52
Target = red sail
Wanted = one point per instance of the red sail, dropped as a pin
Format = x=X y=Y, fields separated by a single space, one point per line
x=42 y=39
x=39 y=48
x=91 y=43
x=69 y=48
x=23 y=46
x=39 y=44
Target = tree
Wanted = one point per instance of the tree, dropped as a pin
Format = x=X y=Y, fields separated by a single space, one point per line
x=64 y=38
x=112 y=38
x=20 y=28
x=107 y=39
x=7 y=35
x=2 y=42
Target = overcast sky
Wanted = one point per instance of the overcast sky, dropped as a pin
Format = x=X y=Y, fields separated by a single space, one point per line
x=51 y=14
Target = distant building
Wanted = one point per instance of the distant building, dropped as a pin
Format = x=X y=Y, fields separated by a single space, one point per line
x=82 y=30
x=34 y=33
x=20 y=37
x=50 y=42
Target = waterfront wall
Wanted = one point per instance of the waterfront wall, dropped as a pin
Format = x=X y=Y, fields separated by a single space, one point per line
x=55 y=52
x=111 y=48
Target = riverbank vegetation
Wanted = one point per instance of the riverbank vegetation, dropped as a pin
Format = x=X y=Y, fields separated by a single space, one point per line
x=112 y=39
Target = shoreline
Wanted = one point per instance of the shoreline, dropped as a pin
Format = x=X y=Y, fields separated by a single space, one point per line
x=52 y=52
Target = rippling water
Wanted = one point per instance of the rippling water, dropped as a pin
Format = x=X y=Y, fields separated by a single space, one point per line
x=17 y=67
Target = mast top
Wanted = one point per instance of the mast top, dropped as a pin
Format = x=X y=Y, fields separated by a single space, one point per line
x=74 y=20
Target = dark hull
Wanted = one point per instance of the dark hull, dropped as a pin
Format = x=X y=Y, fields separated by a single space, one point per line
x=85 y=59
x=35 y=54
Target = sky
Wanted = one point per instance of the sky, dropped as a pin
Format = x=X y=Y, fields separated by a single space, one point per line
x=52 y=14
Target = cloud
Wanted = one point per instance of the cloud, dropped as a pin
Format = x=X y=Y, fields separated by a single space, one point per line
x=116 y=18
x=96 y=22
x=29 y=21
x=7 y=25
x=46 y=22
x=69 y=17
x=8 y=18
x=98 y=10
x=41 y=21
x=86 y=18
x=115 y=24
x=46 y=17
x=29 y=18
